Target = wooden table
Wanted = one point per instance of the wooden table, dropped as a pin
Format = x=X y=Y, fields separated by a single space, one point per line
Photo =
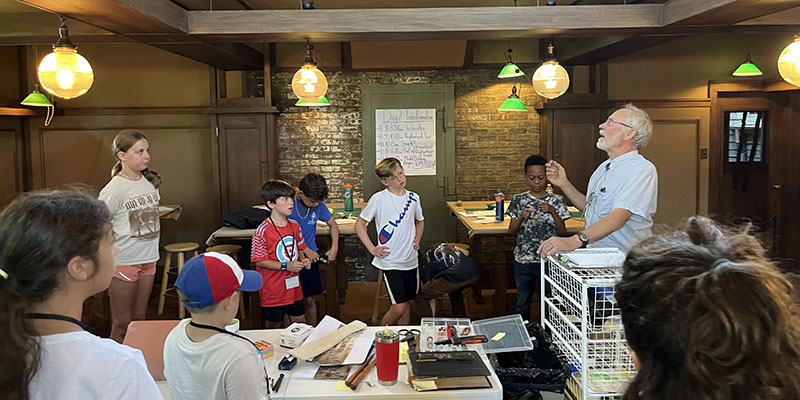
x=335 y=271
x=498 y=230
x=295 y=388
x=170 y=211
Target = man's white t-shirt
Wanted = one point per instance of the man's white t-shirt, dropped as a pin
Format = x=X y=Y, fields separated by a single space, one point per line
x=629 y=182
x=394 y=220
x=222 y=367
x=134 y=209
x=79 y=365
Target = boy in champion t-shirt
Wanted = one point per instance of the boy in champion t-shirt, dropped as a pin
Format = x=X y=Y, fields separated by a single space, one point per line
x=399 y=222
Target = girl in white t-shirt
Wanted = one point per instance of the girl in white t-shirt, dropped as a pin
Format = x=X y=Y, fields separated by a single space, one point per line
x=56 y=250
x=132 y=197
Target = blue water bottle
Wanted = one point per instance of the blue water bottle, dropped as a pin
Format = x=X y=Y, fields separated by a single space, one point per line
x=499 y=207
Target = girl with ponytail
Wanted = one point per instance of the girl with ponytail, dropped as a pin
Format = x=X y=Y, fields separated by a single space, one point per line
x=132 y=197
x=56 y=250
x=708 y=317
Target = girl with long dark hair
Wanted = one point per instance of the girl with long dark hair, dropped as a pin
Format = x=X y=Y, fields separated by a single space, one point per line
x=56 y=250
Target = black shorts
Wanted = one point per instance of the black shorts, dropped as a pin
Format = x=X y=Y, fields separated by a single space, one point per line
x=310 y=280
x=402 y=286
x=276 y=314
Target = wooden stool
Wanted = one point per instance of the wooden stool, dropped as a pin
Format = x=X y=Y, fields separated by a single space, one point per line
x=461 y=246
x=233 y=251
x=379 y=285
x=179 y=249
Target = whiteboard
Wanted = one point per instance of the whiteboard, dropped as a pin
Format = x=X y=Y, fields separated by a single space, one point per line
x=408 y=135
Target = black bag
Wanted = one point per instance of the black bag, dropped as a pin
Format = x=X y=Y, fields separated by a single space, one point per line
x=524 y=372
x=249 y=218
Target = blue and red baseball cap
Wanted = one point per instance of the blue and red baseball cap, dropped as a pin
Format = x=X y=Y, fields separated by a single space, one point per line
x=211 y=277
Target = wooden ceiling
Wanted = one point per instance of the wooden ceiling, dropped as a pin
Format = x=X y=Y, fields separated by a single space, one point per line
x=586 y=31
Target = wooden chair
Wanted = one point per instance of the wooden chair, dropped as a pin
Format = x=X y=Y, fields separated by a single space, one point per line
x=233 y=251
x=170 y=249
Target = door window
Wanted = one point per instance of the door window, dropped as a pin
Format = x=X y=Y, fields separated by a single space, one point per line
x=745 y=137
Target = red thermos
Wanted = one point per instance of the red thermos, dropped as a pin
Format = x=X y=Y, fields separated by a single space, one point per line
x=387 y=355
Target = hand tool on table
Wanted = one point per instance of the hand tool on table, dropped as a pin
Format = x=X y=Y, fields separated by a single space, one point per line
x=464 y=340
x=407 y=334
x=362 y=371
x=277 y=384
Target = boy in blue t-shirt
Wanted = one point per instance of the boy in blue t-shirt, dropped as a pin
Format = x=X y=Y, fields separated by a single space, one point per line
x=536 y=216
x=308 y=208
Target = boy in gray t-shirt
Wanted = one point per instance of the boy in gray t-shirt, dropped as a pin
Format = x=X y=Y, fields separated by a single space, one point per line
x=536 y=216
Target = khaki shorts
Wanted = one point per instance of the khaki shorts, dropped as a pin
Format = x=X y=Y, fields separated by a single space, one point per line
x=131 y=273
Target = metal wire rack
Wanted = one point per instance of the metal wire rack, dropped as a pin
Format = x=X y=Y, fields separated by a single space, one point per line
x=580 y=310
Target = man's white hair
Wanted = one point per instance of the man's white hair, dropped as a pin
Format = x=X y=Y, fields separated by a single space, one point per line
x=640 y=121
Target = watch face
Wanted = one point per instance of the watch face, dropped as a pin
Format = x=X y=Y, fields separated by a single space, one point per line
x=583 y=237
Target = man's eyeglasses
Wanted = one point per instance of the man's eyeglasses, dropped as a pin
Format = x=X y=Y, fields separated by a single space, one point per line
x=610 y=122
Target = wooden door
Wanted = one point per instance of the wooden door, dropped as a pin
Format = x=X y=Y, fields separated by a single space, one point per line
x=573 y=133
x=434 y=190
x=753 y=171
x=247 y=158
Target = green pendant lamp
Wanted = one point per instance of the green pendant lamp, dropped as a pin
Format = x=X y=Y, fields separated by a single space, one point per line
x=513 y=103
x=38 y=99
x=320 y=102
x=747 y=69
x=510 y=70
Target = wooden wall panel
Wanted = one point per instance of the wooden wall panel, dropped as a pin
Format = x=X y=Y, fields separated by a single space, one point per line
x=10 y=164
x=243 y=160
x=78 y=150
x=673 y=150
x=575 y=133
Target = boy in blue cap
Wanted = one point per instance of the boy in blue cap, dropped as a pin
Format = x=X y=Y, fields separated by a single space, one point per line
x=201 y=358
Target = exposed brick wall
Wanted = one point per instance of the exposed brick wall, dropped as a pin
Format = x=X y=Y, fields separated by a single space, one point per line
x=490 y=146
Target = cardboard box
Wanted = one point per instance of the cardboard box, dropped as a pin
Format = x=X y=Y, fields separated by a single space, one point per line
x=294 y=335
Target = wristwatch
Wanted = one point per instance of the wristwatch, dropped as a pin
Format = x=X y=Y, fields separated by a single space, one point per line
x=584 y=238
x=283 y=266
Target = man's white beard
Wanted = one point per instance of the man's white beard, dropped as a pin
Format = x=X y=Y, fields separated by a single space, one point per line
x=602 y=144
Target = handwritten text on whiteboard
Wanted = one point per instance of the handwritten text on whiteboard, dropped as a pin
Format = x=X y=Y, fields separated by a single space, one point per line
x=408 y=135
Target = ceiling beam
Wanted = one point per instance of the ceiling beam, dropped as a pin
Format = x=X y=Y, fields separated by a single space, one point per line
x=156 y=22
x=38 y=28
x=681 y=18
x=419 y=23
x=786 y=17
x=720 y=12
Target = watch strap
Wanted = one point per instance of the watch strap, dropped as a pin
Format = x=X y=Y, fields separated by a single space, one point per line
x=283 y=266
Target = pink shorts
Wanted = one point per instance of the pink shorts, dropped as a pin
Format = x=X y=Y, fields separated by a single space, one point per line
x=131 y=273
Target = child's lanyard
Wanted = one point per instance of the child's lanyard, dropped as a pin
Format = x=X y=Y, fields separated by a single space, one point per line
x=220 y=330
x=57 y=317
x=280 y=238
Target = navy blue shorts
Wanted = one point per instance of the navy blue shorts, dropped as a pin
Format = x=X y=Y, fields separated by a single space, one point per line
x=276 y=314
x=310 y=280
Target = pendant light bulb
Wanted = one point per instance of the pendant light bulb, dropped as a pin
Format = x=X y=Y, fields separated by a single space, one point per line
x=789 y=62
x=550 y=80
x=64 y=73
x=309 y=83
